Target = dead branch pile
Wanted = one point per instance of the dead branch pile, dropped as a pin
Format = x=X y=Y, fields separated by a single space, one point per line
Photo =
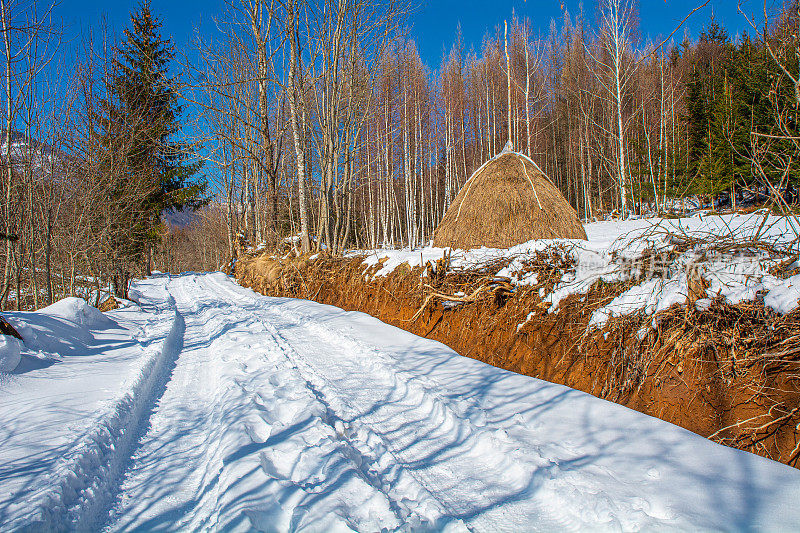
x=478 y=283
x=746 y=239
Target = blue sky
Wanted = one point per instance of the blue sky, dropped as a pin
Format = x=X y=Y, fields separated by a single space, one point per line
x=433 y=24
x=436 y=21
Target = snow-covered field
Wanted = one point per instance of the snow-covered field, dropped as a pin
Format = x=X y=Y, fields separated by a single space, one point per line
x=209 y=407
x=614 y=252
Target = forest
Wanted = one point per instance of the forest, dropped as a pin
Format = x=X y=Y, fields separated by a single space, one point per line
x=318 y=124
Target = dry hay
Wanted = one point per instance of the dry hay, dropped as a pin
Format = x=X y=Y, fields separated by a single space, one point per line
x=506 y=202
x=109 y=304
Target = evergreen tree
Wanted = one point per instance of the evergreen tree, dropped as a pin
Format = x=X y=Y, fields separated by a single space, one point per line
x=149 y=113
x=749 y=107
x=784 y=107
x=708 y=112
x=719 y=164
x=697 y=121
x=714 y=33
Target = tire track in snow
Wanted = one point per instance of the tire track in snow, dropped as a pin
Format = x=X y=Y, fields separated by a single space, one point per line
x=428 y=416
x=81 y=498
x=366 y=465
x=257 y=435
x=514 y=474
x=172 y=427
x=327 y=416
x=431 y=414
x=238 y=437
x=555 y=499
x=569 y=501
x=364 y=459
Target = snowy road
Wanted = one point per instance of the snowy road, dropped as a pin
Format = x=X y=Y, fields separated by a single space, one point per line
x=276 y=414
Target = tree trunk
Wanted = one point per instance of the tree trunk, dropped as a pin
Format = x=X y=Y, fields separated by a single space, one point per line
x=295 y=72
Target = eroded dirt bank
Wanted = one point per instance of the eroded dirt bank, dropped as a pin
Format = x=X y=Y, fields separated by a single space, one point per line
x=730 y=373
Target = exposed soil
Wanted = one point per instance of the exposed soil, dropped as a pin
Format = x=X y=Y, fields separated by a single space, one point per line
x=731 y=373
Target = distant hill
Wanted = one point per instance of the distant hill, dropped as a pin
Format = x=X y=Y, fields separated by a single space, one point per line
x=22 y=144
x=180 y=218
x=24 y=148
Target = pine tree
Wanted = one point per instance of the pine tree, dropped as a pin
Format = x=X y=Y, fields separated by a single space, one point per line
x=708 y=112
x=714 y=33
x=784 y=104
x=145 y=94
x=750 y=107
x=697 y=120
x=719 y=165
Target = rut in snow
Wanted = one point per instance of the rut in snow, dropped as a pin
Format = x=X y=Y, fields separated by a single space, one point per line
x=85 y=484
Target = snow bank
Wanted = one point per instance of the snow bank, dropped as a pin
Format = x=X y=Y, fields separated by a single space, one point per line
x=616 y=252
x=62 y=329
x=87 y=386
x=10 y=349
x=76 y=310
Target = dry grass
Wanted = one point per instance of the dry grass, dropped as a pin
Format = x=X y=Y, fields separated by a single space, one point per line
x=507 y=202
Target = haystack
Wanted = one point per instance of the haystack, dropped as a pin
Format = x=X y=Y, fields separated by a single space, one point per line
x=506 y=202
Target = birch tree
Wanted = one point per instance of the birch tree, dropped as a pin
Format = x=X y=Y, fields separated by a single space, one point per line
x=615 y=68
x=296 y=100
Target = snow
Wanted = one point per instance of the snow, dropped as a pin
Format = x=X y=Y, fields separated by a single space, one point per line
x=208 y=407
x=614 y=252
x=10 y=356
x=653 y=295
x=71 y=409
x=394 y=258
x=782 y=295
x=76 y=310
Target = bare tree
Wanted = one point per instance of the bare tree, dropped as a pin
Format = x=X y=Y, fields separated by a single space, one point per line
x=296 y=101
x=614 y=73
